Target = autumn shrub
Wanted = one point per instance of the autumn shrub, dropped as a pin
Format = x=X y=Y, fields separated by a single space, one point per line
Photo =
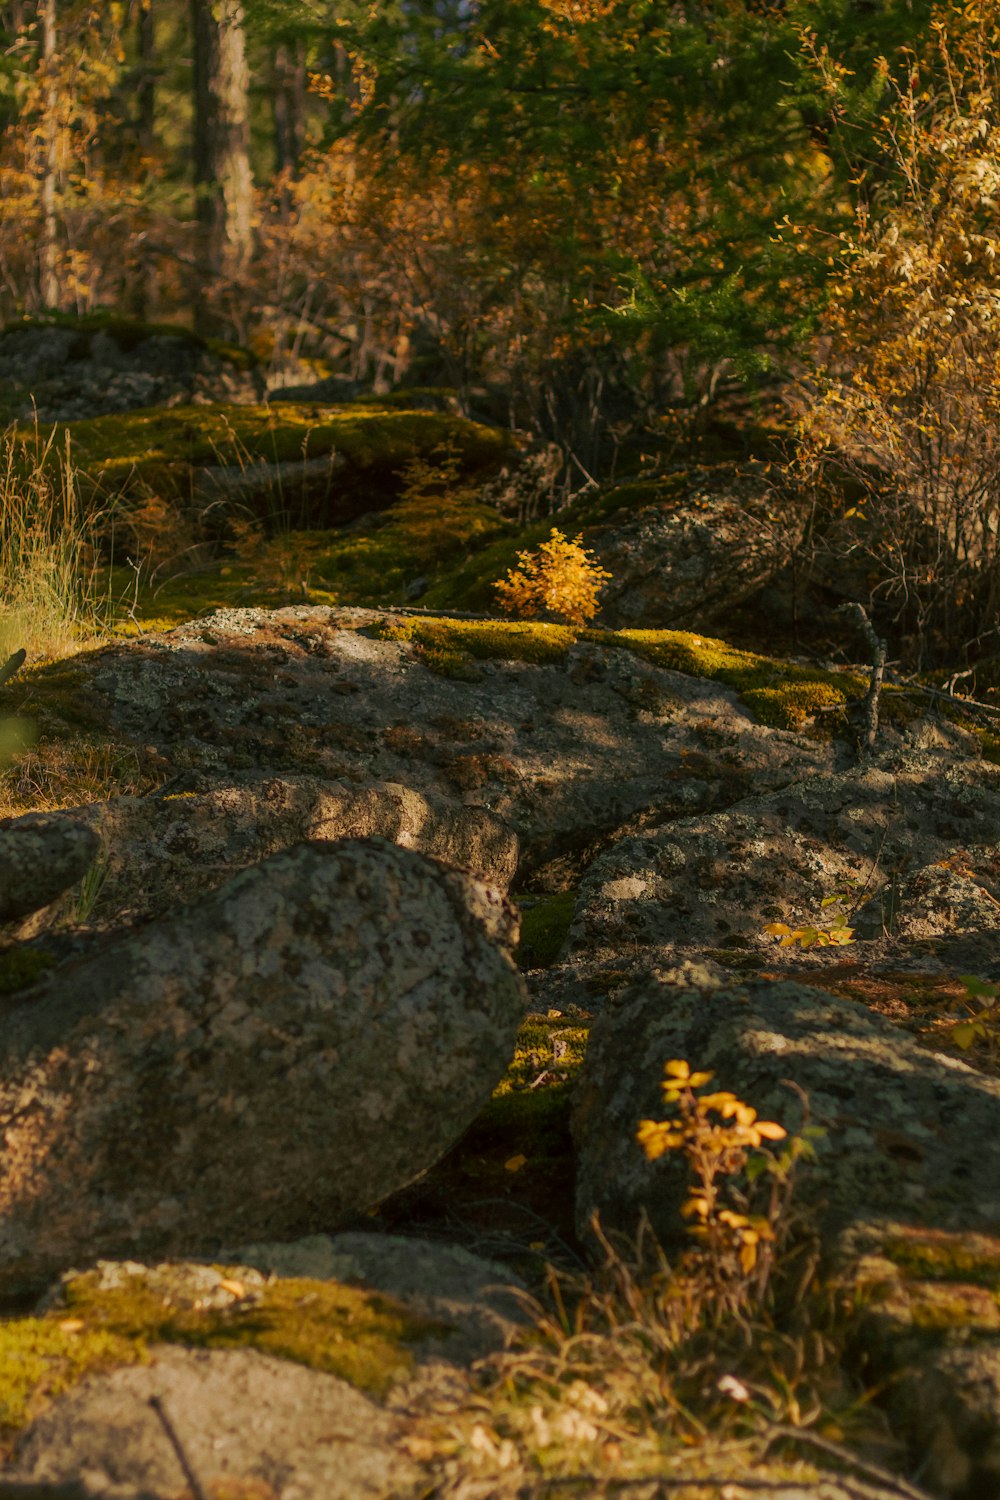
x=560 y=580
x=901 y=433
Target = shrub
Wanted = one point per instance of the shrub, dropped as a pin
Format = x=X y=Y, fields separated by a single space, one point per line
x=558 y=581
x=903 y=415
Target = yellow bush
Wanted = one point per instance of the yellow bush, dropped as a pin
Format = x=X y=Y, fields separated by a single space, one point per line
x=559 y=580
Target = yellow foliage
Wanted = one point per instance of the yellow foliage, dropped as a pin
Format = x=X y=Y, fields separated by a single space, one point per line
x=559 y=580
x=716 y=1133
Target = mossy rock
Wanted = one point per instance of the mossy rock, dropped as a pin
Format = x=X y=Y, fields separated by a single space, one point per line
x=129 y=333
x=360 y=1336
x=275 y=457
x=781 y=694
x=116 y=1314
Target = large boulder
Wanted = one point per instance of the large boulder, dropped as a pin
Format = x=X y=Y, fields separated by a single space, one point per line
x=162 y=851
x=71 y=370
x=692 y=561
x=910 y=1133
x=274 y=1059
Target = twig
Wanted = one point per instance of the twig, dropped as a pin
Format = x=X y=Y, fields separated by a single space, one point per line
x=861 y=1466
x=197 y=1489
x=11 y=665
x=972 y=704
x=877 y=648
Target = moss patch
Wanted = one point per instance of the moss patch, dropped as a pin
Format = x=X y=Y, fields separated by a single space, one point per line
x=930 y=1255
x=40 y=1358
x=156 y=450
x=22 y=967
x=544 y=925
x=361 y=1337
x=781 y=694
x=451 y=646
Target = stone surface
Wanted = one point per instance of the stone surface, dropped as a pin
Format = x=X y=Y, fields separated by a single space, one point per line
x=438 y=1281
x=77 y=372
x=691 y=563
x=564 y=751
x=927 y=1333
x=909 y=1132
x=717 y=881
x=161 y=851
x=274 y=1059
x=240 y=1415
x=41 y=856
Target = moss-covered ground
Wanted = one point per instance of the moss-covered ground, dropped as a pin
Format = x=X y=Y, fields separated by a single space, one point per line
x=157 y=450
x=358 y=1335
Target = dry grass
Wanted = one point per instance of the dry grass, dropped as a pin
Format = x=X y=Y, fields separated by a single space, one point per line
x=626 y=1376
x=50 y=605
x=70 y=773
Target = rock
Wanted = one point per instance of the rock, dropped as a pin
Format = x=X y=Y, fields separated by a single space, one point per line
x=910 y=1133
x=926 y=1334
x=717 y=881
x=275 y=1059
x=444 y=1282
x=41 y=855
x=565 y=749
x=375 y=1353
x=240 y=1415
x=949 y=897
x=93 y=367
x=160 y=852
x=691 y=562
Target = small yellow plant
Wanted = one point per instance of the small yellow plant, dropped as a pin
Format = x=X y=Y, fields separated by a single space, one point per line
x=836 y=935
x=560 y=580
x=716 y=1132
x=981 y=1030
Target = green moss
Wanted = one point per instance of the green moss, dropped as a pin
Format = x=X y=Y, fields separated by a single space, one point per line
x=450 y=646
x=156 y=449
x=781 y=694
x=357 y=1335
x=42 y=1357
x=544 y=925
x=529 y=1113
x=940 y=1256
x=22 y=967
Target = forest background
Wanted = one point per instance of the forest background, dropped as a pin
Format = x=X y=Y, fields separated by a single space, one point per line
x=596 y=221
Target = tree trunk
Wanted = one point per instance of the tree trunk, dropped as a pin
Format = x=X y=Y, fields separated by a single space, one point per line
x=223 y=184
x=48 y=260
x=289 y=106
x=146 y=91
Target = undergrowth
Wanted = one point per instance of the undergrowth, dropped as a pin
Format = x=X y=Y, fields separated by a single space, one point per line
x=50 y=599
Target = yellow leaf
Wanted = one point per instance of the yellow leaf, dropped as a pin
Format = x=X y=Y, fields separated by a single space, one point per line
x=514 y=1163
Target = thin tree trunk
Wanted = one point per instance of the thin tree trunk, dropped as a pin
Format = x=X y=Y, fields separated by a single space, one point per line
x=49 y=287
x=223 y=183
x=289 y=106
x=146 y=92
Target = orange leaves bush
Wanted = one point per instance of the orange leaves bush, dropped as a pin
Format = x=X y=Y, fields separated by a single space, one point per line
x=560 y=580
